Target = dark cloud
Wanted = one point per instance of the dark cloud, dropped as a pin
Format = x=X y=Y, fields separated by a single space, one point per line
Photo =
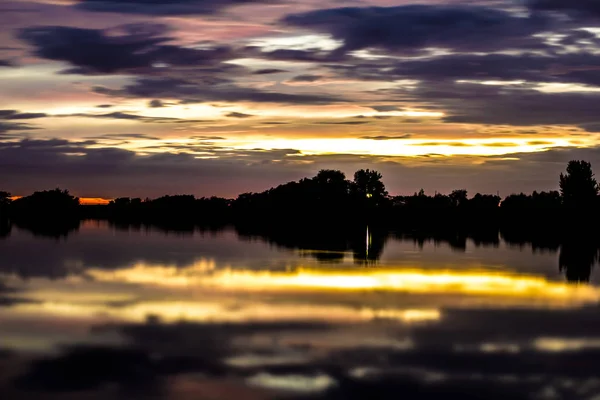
x=105 y=106
x=268 y=71
x=29 y=165
x=384 y=108
x=14 y=126
x=207 y=138
x=580 y=68
x=306 y=78
x=385 y=137
x=156 y=104
x=124 y=136
x=198 y=92
x=16 y=115
x=6 y=63
x=134 y=117
x=413 y=28
x=141 y=48
x=500 y=105
x=579 y=8
x=310 y=55
x=164 y=7
x=239 y=115
x=342 y=122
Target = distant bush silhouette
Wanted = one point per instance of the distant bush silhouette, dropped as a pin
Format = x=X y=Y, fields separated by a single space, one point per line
x=46 y=205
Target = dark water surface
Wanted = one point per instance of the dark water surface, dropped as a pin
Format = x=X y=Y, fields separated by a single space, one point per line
x=142 y=313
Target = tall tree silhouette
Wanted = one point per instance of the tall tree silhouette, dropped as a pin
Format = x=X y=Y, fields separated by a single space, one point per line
x=369 y=187
x=459 y=197
x=331 y=187
x=578 y=186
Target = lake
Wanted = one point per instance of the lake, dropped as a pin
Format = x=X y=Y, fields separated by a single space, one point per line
x=137 y=312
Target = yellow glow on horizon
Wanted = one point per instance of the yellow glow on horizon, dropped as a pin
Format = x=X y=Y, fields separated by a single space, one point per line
x=410 y=147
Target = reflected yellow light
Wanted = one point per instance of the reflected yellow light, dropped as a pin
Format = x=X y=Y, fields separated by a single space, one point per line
x=409 y=281
x=142 y=273
x=216 y=312
x=478 y=283
x=565 y=344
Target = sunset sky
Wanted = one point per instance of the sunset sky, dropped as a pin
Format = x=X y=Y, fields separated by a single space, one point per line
x=149 y=97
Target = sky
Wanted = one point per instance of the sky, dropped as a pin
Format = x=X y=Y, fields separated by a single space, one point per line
x=143 y=98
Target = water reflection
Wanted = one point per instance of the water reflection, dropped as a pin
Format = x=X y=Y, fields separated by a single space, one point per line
x=146 y=313
x=578 y=253
x=577 y=258
x=5 y=228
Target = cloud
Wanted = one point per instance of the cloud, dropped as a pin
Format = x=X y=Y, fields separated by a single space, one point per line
x=134 y=117
x=16 y=115
x=165 y=7
x=199 y=92
x=269 y=71
x=500 y=105
x=156 y=104
x=124 y=136
x=413 y=28
x=29 y=165
x=14 y=126
x=579 y=8
x=239 y=115
x=306 y=78
x=385 y=137
x=141 y=48
x=6 y=63
x=580 y=68
x=384 y=108
x=342 y=122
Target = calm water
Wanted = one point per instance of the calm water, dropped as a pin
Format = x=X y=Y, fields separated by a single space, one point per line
x=215 y=315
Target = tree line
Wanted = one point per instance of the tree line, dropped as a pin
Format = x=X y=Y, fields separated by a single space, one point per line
x=327 y=197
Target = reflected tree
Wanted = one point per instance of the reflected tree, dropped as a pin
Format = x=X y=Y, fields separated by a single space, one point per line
x=577 y=259
x=5 y=228
x=369 y=248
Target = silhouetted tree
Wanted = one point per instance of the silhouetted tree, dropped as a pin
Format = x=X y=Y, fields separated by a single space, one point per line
x=4 y=198
x=368 y=187
x=332 y=187
x=578 y=186
x=48 y=204
x=459 y=197
x=5 y=201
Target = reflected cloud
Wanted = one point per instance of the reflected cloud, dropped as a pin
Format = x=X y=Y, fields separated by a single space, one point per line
x=566 y=344
x=295 y=383
x=487 y=283
x=224 y=311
